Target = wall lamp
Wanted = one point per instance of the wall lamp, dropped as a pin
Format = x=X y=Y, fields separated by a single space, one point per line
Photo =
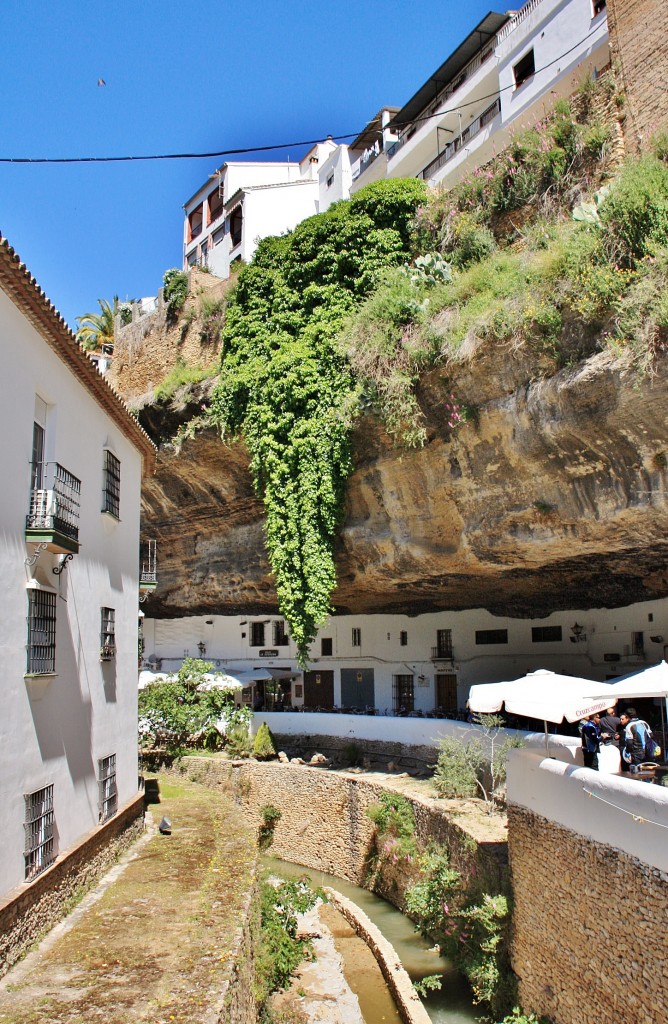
x=201 y=647
x=579 y=635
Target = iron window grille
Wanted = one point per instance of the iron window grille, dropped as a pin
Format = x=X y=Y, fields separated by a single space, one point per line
x=257 y=634
x=356 y=637
x=403 y=693
x=326 y=646
x=41 y=632
x=280 y=636
x=107 y=633
x=111 y=485
x=106 y=780
x=39 y=848
x=491 y=636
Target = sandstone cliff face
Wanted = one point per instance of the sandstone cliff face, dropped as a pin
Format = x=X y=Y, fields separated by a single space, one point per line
x=554 y=498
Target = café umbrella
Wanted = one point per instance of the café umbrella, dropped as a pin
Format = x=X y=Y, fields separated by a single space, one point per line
x=543 y=695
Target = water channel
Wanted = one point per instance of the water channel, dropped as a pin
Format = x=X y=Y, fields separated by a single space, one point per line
x=452 y=1003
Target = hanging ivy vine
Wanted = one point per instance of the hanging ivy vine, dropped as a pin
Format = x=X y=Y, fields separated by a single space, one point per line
x=285 y=386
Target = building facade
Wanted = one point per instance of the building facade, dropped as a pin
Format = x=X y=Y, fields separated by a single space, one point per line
x=400 y=664
x=69 y=556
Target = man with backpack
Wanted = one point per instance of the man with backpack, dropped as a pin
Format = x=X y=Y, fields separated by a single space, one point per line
x=639 y=743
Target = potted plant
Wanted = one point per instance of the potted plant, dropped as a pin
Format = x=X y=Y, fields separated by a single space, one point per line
x=107 y=652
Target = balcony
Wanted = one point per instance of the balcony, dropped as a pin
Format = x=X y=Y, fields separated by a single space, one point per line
x=53 y=518
x=442 y=653
x=148 y=573
x=460 y=141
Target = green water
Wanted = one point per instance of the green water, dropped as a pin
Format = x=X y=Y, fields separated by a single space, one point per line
x=452 y=1004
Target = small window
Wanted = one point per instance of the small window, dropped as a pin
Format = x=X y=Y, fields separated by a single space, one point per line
x=106 y=780
x=403 y=638
x=111 y=485
x=236 y=225
x=357 y=637
x=545 y=634
x=280 y=636
x=638 y=643
x=491 y=636
x=107 y=633
x=598 y=6
x=444 y=643
x=326 y=646
x=524 y=68
x=41 y=632
x=39 y=846
x=257 y=634
x=330 y=181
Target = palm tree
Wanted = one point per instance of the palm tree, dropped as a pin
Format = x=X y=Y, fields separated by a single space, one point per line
x=97 y=329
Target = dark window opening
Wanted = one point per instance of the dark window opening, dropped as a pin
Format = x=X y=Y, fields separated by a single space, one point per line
x=257 y=634
x=357 y=637
x=598 y=6
x=216 y=204
x=39 y=846
x=443 y=643
x=524 y=68
x=545 y=634
x=491 y=636
x=106 y=780
x=403 y=638
x=280 y=636
x=195 y=221
x=326 y=646
x=236 y=224
x=111 y=484
x=638 y=643
x=403 y=694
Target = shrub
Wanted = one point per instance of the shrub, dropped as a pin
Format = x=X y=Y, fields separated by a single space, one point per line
x=270 y=818
x=264 y=747
x=475 y=767
x=239 y=742
x=394 y=819
x=280 y=951
x=635 y=213
x=175 y=291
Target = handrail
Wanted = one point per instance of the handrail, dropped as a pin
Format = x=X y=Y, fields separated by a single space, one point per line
x=460 y=140
x=511 y=25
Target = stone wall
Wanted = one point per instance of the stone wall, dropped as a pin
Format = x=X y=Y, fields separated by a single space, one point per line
x=30 y=911
x=589 y=943
x=238 y=1004
x=638 y=31
x=324 y=825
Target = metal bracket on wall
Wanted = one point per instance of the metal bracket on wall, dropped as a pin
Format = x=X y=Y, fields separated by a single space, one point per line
x=57 y=569
x=31 y=559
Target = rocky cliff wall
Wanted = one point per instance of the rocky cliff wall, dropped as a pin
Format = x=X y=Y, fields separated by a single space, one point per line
x=554 y=496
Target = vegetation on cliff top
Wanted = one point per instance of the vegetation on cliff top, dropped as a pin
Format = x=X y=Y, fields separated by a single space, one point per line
x=349 y=310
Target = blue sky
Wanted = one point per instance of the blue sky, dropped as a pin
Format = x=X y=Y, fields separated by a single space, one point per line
x=194 y=77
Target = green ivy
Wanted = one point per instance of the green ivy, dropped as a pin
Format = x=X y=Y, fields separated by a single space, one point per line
x=287 y=388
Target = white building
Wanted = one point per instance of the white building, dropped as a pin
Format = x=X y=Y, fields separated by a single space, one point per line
x=69 y=562
x=507 y=73
x=243 y=202
x=419 y=663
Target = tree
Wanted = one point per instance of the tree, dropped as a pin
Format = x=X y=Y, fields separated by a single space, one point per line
x=97 y=329
x=478 y=765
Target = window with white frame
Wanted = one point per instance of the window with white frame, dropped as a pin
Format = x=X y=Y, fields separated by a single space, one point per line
x=257 y=634
x=280 y=636
x=357 y=637
x=111 y=484
x=524 y=69
x=41 y=632
x=106 y=780
x=39 y=847
x=107 y=633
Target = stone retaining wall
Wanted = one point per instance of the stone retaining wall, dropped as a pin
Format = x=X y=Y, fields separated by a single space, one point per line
x=324 y=825
x=405 y=997
x=638 y=30
x=29 y=911
x=589 y=943
x=238 y=1004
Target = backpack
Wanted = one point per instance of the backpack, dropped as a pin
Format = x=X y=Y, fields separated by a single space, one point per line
x=652 y=748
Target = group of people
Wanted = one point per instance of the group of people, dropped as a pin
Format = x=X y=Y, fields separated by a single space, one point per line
x=632 y=736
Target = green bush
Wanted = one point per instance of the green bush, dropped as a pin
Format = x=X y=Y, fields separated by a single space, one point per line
x=264 y=747
x=394 y=819
x=175 y=291
x=279 y=950
x=270 y=818
x=179 y=376
x=239 y=742
x=635 y=213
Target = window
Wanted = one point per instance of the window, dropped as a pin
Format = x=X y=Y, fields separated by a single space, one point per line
x=638 y=643
x=524 y=68
x=357 y=637
x=280 y=636
x=598 y=6
x=491 y=636
x=41 y=632
x=545 y=634
x=257 y=634
x=403 y=696
x=106 y=781
x=111 y=484
x=236 y=224
x=330 y=181
x=39 y=847
x=444 y=643
x=403 y=638
x=215 y=203
x=326 y=646
x=107 y=633
x=37 y=471
x=195 y=221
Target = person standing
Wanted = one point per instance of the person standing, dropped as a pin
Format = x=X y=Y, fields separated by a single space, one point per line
x=609 y=726
x=591 y=742
x=621 y=739
x=635 y=738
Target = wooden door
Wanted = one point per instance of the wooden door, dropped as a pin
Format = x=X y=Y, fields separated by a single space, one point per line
x=446 y=691
x=318 y=689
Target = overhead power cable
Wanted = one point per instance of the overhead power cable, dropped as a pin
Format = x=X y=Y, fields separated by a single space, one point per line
x=244 y=151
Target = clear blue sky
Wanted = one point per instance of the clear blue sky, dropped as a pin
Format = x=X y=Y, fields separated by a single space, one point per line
x=186 y=76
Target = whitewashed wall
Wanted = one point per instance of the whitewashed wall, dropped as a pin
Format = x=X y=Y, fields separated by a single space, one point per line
x=54 y=731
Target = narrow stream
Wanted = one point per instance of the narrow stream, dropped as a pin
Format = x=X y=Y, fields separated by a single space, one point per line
x=452 y=1004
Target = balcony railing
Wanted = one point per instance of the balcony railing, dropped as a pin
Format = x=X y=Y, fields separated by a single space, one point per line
x=148 y=574
x=444 y=95
x=442 y=653
x=366 y=160
x=54 y=507
x=460 y=141
x=511 y=25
